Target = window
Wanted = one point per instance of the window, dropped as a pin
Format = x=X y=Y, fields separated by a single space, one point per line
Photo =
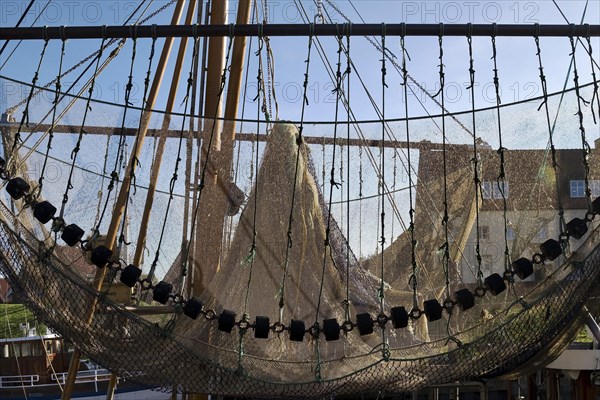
x=578 y=188
x=492 y=190
x=484 y=232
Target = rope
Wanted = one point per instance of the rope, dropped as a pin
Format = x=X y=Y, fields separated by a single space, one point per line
x=114 y=175
x=501 y=180
x=190 y=83
x=332 y=182
x=475 y=159
x=585 y=147
x=254 y=181
x=209 y=147
x=20 y=41
x=77 y=147
x=445 y=248
x=595 y=96
x=381 y=293
x=134 y=160
x=561 y=212
x=25 y=116
x=347 y=73
x=299 y=142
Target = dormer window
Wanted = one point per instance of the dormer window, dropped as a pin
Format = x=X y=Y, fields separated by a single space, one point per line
x=491 y=190
x=578 y=188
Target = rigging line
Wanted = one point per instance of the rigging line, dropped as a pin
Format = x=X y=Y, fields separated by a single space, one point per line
x=332 y=183
x=584 y=144
x=21 y=41
x=114 y=176
x=134 y=160
x=391 y=57
x=550 y=135
x=110 y=43
x=209 y=147
x=25 y=116
x=501 y=180
x=354 y=121
x=370 y=155
x=475 y=160
x=75 y=151
x=98 y=53
x=299 y=142
x=595 y=96
x=446 y=218
x=18 y=24
x=347 y=73
x=190 y=82
x=382 y=168
x=582 y=18
x=254 y=182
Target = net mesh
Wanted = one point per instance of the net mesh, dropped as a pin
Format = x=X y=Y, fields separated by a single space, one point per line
x=527 y=324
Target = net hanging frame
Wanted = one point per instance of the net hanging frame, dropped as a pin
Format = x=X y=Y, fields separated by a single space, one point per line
x=336 y=124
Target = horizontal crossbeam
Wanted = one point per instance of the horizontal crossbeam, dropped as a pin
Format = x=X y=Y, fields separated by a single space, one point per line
x=147 y=31
x=245 y=137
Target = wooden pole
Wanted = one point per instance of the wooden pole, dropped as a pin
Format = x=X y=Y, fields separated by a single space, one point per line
x=212 y=211
x=212 y=109
x=123 y=193
x=160 y=149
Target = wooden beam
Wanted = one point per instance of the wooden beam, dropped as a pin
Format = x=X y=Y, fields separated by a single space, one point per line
x=123 y=193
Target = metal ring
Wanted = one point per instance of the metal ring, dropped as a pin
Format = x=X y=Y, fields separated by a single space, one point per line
x=347 y=326
x=383 y=29
x=61 y=31
x=415 y=313
x=480 y=291
x=278 y=327
x=469 y=29
x=311 y=29
x=210 y=314
x=403 y=29
x=494 y=29
x=153 y=31
x=537 y=29
x=231 y=30
x=104 y=33
x=441 y=29
x=45 y=33
x=260 y=30
x=195 y=31
x=572 y=29
x=537 y=258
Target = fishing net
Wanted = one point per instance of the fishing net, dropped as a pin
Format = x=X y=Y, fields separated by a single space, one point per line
x=318 y=229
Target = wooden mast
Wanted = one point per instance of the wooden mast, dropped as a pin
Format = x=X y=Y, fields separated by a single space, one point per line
x=123 y=193
x=160 y=149
x=215 y=199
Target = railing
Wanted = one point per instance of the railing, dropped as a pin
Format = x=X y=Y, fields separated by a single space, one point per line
x=94 y=375
x=18 y=381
